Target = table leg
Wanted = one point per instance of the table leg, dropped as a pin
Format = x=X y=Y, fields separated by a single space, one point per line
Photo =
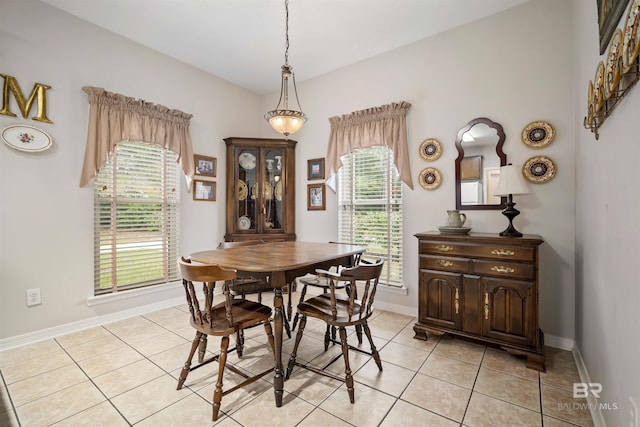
x=278 y=322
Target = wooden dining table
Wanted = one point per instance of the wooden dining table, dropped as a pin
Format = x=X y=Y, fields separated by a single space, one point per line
x=284 y=262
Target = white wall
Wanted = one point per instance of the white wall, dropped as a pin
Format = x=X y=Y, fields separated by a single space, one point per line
x=46 y=220
x=505 y=67
x=608 y=232
x=514 y=68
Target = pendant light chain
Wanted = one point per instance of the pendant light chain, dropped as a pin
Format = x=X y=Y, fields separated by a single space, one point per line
x=286 y=27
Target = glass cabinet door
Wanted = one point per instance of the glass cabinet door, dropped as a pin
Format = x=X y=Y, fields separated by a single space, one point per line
x=273 y=188
x=247 y=189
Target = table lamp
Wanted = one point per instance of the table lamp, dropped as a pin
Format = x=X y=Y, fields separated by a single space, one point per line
x=511 y=182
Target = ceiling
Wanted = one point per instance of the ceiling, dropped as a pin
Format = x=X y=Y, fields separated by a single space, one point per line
x=243 y=41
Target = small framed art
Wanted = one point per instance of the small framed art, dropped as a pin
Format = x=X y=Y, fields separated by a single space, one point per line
x=315 y=169
x=205 y=166
x=316 y=199
x=204 y=190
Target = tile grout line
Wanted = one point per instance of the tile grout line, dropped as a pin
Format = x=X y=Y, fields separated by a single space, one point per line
x=91 y=380
x=13 y=407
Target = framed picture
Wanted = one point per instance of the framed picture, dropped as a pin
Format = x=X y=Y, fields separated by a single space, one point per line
x=315 y=169
x=205 y=166
x=315 y=197
x=204 y=190
x=609 y=14
x=471 y=168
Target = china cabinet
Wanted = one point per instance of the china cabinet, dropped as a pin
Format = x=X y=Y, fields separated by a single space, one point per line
x=481 y=286
x=260 y=189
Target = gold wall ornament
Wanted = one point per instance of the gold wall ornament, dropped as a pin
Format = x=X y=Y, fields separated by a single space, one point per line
x=39 y=90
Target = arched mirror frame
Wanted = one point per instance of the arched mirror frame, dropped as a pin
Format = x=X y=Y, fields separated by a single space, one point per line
x=499 y=152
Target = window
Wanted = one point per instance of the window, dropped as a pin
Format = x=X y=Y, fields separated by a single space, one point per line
x=370 y=208
x=136 y=205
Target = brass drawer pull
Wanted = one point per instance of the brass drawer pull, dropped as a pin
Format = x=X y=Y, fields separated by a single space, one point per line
x=502 y=269
x=457 y=301
x=444 y=263
x=444 y=248
x=503 y=252
x=486 y=306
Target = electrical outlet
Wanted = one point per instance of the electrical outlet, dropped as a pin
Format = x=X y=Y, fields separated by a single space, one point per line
x=33 y=297
x=633 y=413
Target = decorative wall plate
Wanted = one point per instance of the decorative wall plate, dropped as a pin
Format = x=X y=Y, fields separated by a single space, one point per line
x=538 y=134
x=244 y=223
x=247 y=160
x=590 y=109
x=589 y=118
x=430 y=149
x=430 y=178
x=539 y=169
x=267 y=190
x=613 y=69
x=26 y=138
x=278 y=191
x=242 y=190
x=631 y=37
x=598 y=88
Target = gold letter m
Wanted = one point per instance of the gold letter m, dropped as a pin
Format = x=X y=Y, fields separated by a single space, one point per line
x=39 y=90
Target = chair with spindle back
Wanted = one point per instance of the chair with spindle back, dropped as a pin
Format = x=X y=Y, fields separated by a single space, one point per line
x=222 y=319
x=341 y=309
x=321 y=281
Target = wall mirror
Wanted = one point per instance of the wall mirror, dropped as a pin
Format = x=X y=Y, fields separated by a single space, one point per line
x=480 y=156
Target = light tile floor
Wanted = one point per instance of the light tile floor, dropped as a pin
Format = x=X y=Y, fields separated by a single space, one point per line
x=125 y=373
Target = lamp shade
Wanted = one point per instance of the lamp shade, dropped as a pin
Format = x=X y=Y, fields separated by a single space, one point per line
x=511 y=181
x=286 y=122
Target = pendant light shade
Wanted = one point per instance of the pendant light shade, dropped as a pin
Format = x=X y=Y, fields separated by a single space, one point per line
x=284 y=120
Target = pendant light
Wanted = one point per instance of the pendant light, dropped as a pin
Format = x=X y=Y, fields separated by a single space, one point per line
x=284 y=120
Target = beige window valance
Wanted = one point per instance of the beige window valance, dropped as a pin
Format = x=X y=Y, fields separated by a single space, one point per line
x=383 y=125
x=114 y=118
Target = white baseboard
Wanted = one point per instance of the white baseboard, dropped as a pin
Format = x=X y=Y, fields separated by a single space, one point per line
x=594 y=407
x=559 y=342
x=56 y=331
x=395 y=308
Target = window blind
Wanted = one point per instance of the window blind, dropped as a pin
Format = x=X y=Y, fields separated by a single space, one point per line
x=136 y=207
x=370 y=208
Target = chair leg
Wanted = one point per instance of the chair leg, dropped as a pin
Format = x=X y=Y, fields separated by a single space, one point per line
x=294 y=353
x=187 y=364
x=374 y=351
x=269 y=331
x=303 y=293
x=285 y=321
x=327 y=337
x=347 y=367
x=240 y=342
x=202 y=348
x=359 y=333
x=217 y=394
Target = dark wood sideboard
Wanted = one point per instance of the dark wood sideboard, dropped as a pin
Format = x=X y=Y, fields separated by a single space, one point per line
x=481 y=286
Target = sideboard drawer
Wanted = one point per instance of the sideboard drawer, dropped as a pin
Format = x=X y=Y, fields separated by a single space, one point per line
x=504 y=269
x=445 y=263
x=508 y=253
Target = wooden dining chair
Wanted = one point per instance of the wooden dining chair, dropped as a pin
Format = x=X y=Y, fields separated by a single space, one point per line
x=341 y=309
x=250 y=282
x=222 y=319
x=321 y=281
